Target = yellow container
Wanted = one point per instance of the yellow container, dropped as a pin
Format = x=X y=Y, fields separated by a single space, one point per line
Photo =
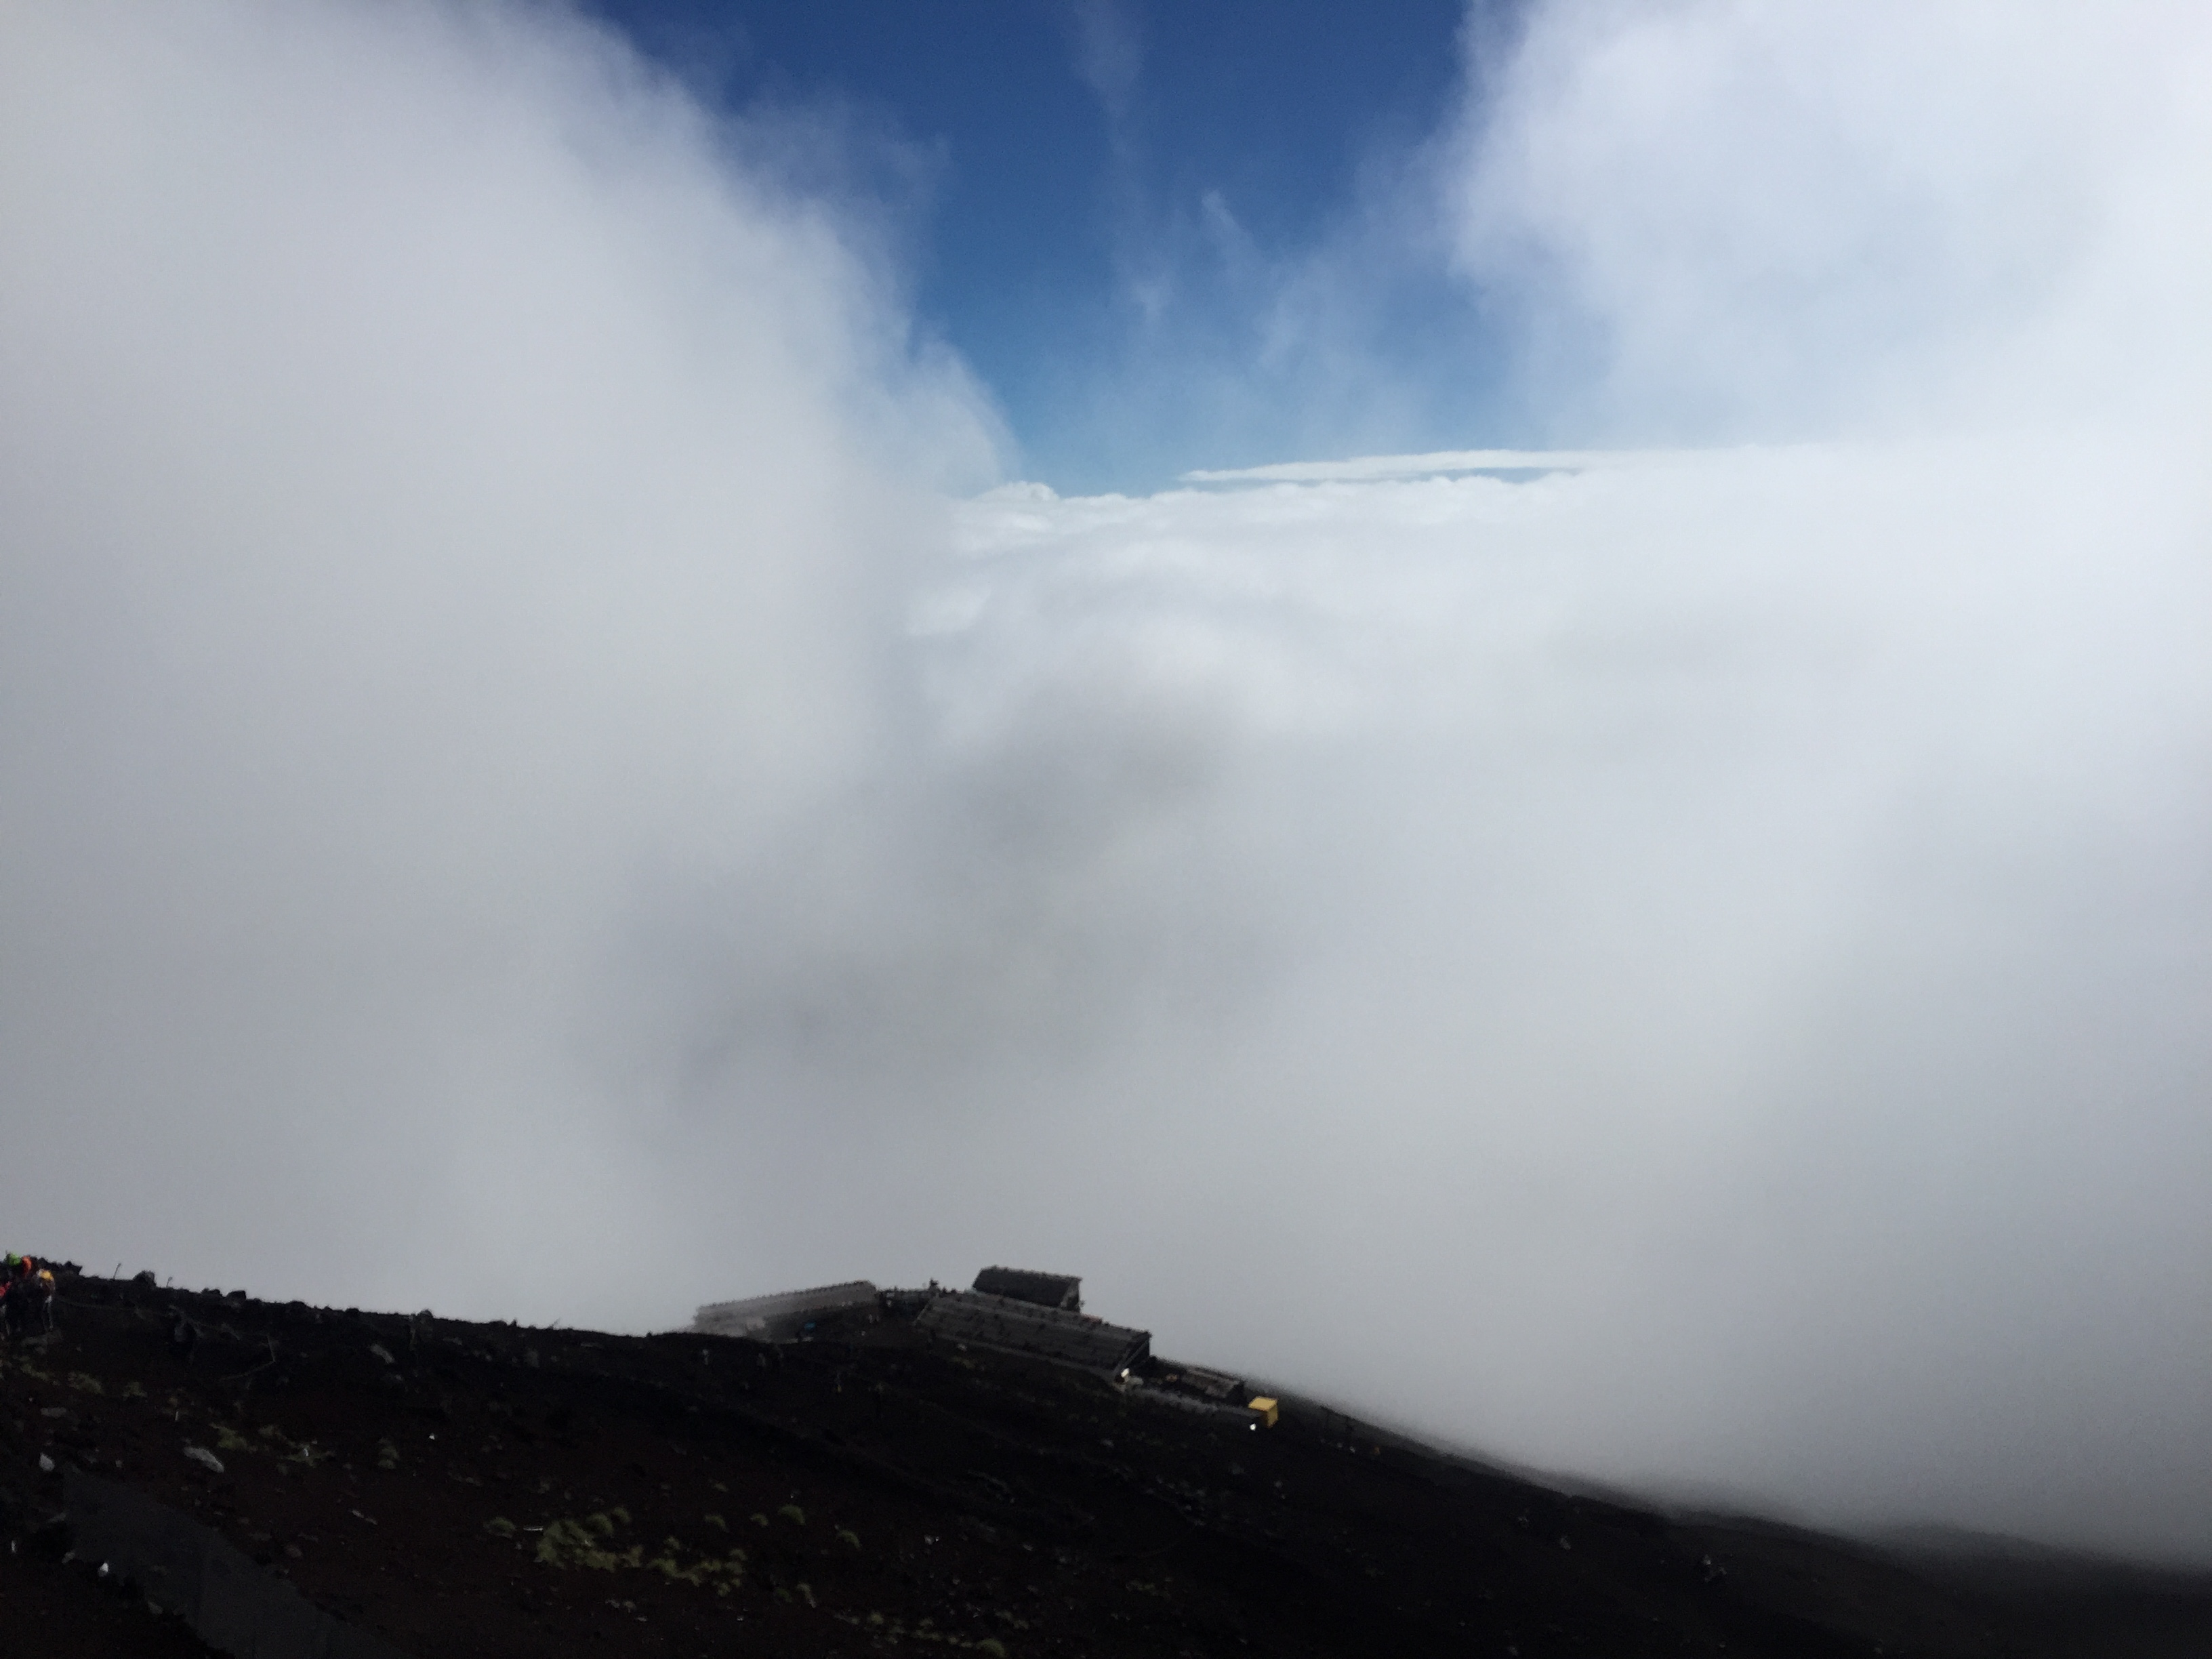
x=1267 y=1409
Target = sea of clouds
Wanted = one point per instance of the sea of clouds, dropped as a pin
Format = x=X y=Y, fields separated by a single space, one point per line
x=543 y=780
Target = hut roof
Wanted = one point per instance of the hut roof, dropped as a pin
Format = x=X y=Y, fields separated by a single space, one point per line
x=1046 y=1290
x=756 y=1313
x=1024 y=1327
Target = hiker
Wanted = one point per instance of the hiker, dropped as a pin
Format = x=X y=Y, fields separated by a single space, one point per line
x=19 y=1296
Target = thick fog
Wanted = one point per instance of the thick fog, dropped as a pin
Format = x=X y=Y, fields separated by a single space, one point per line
x=542 y=779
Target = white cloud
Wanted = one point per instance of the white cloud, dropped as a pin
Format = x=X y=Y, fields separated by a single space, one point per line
x=1109 y=54
x=1720 y=938
x=1436 y=463
x=446 y=484
x=1771 y=220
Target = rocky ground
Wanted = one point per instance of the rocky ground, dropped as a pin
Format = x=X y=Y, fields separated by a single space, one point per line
x=486 y=1490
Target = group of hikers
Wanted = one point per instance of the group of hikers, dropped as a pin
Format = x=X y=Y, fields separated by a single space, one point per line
x=27 y=1296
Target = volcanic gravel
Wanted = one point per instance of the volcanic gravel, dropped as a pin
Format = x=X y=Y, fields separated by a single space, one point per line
x=466 y=1489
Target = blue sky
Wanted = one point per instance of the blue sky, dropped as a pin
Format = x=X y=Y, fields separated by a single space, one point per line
x=1165 y=236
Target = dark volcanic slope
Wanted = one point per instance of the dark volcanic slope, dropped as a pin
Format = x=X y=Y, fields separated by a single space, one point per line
x=484 y=1490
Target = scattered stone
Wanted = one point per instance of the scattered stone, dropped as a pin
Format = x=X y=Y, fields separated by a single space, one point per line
x=199 y=1454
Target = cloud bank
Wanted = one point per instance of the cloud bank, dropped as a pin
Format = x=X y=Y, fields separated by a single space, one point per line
x=527 y=795
x=1734 y=1029
x=446 y=484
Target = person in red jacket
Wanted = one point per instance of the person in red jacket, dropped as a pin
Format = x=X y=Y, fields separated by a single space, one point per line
x=27 y=1296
